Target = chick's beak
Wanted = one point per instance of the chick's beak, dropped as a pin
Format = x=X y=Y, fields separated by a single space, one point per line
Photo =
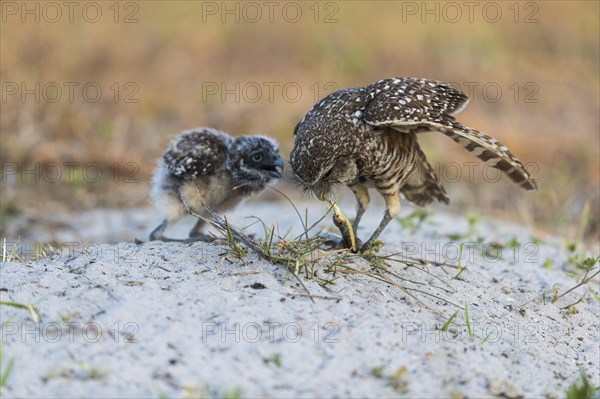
x=278 y=167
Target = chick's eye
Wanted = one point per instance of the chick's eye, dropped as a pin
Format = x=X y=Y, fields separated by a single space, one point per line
x=328 y=174
x=257 y=157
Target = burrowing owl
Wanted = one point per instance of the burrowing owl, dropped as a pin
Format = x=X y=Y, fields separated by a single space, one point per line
x=208 y=166
x=366 y=137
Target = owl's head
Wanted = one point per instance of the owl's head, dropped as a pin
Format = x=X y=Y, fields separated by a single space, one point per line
x=254 y=161
x=319 y=166
x=327 y=177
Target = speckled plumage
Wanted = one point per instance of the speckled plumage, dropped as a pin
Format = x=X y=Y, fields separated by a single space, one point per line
x=205 y=166
x=366 y=137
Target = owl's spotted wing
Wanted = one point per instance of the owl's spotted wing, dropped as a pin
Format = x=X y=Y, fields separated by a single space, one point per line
x=407 y=101
x=195 y=153
x=419 y=105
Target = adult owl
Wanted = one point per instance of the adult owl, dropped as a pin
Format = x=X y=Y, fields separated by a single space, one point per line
x=366 y=137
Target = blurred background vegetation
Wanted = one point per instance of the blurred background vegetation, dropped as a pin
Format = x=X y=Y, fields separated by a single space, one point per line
x=165 y=66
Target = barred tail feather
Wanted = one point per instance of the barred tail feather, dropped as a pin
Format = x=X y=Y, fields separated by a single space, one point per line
x=423 y=186
x=490 y=151
x=425 y=194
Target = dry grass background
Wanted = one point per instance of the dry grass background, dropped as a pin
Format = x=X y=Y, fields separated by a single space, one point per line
x=171 y=55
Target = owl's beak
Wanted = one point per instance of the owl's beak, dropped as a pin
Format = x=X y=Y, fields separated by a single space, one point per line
x=277 y=168
x=320 y=194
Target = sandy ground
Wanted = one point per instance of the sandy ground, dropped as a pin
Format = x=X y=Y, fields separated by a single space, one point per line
x=176 y=320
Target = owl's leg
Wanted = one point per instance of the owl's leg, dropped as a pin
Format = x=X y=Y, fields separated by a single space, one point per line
x=196 y=233
x=362 y=197
x=167 y=202
x=157 y=233
x=197 y=229
x=392 y=205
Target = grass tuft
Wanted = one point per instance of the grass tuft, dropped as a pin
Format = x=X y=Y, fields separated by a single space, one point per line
x=469 y=329
x=5 y=371
x=449 y=321
x=35 y=316
x=12 y=254
x=582 y=389
x=274 y=360
x=312 y=257
x=235 y=248
x=589 y=265
x=415 y=219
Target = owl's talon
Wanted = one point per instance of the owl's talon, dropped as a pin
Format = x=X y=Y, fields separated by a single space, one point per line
x=200 y=237
x=342 y=244
x=359 y=245
x=329 y=240
x=336 y=243
x=371 y=247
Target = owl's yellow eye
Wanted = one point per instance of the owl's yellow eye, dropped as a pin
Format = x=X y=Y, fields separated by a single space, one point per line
x=257 y=157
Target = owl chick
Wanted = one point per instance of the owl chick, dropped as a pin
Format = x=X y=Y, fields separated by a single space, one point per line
x=366 y=137
x=207 y=166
